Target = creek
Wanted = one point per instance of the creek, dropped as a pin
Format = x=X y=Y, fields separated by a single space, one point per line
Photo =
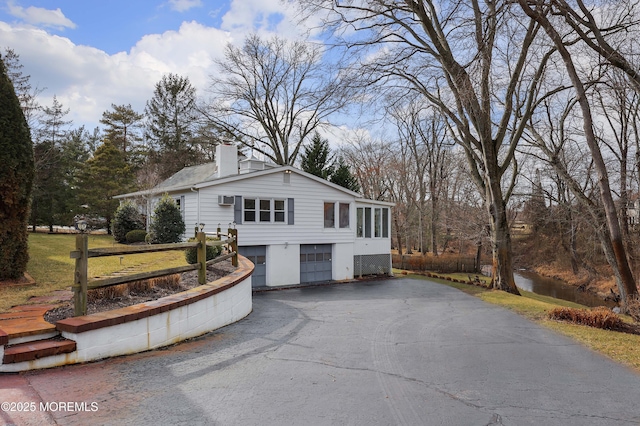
x=530 y=281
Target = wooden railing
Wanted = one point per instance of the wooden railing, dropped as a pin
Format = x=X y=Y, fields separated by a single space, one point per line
x=82 y=254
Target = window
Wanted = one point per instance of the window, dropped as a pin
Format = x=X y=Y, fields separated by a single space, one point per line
x=265 y=210
x=385 y=223
x=249 y=210
x=278 y=210
x=380 y=228
x=343 y=212
x=329 y=215
x=367 y=222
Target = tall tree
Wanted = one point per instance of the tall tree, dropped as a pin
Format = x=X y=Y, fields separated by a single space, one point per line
x=540 y=13
x=50 y=188
x=123 y=126
x=171 y=115
x=16 y=178
x=316 y=157
x=105 y=175
x=27 y=95
x=342 y=176
x=476 y=61
x=272 y=94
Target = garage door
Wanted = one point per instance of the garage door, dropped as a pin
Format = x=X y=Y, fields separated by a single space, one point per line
x=315 y=262
x=258 y=255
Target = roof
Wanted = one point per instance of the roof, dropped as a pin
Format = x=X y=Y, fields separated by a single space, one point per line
x=184 y=179
x=203 y=176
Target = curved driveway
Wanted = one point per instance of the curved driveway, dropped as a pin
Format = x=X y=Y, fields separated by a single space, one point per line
x=388 y=352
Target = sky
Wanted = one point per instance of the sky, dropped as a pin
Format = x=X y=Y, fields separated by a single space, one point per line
x=91 y=54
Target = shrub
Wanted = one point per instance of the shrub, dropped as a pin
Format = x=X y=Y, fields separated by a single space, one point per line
x=191 y=255
x=599 y=317
x=167 y=226
x=126 y=219
x=16 y=180
x=136 y=236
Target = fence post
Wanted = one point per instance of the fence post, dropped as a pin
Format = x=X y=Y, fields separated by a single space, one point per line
x=80 y=275
x=202 y=258
x=234 y=246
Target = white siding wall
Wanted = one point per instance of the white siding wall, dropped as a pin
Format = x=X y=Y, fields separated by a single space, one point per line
x=191 y=212
x=343 y=261
x=309 y=197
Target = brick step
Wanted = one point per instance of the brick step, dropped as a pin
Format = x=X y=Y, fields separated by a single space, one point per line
x=38 y=349
x=26 y=323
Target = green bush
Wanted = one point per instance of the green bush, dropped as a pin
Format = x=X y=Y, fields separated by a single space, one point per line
x=136 y=236
x=191 y=255
x=16 y=179
x=167 y=225
x=126 y=218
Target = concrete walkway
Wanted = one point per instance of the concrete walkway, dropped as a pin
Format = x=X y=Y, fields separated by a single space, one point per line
x=388 y=352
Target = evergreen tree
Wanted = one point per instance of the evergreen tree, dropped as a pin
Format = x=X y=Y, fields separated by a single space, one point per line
x=167 y=225
x=342 y=176
x=16 y=178
x=127 y=218
x=22 y=85
x=123 y=130
x=316 y=158
x=171 y=115
x=50 y=191
x=104 y=175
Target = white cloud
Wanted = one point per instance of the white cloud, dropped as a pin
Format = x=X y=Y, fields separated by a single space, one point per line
x=41 y=17
x=184 y=5
x=88 y=80
x=265 y=17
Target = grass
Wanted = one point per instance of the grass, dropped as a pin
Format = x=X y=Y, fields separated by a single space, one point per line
x=52 y=268
x=621 y=347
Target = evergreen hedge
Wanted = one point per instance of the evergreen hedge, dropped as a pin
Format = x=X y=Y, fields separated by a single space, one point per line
x=16 y=181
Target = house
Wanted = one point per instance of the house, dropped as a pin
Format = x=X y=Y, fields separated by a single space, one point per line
x=295 y=227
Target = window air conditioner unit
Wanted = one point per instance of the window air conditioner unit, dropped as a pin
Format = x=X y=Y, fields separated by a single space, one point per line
x=226 y=200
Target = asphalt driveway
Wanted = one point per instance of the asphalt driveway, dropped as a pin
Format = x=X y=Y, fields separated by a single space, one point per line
x=388 y=352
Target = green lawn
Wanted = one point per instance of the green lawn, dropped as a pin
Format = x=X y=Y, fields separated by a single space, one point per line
x=52 y=268
x=621 y=347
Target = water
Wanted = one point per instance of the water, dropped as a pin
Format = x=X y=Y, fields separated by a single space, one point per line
x=530 y=281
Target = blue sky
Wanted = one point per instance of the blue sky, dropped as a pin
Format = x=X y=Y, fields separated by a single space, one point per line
x=91 y=54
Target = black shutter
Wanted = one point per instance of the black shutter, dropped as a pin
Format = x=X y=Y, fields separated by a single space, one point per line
x=290 y=211
x=237 y=210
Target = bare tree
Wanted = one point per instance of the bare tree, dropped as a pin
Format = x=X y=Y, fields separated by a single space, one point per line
x=540 y=11
x=272 y=94
x=477 y=62
x=425 y=150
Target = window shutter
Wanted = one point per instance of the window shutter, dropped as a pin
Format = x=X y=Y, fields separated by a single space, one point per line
x=290 y=211
x=237 y=210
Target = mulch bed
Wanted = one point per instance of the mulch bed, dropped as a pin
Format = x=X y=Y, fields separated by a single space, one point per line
x=187 y=280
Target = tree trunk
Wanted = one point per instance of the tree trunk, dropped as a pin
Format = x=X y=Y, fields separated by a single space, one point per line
x=502 y=265
x=398 y=236
x=619 y=261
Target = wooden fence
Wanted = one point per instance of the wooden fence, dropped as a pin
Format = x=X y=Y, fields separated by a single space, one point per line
x=82 y=254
